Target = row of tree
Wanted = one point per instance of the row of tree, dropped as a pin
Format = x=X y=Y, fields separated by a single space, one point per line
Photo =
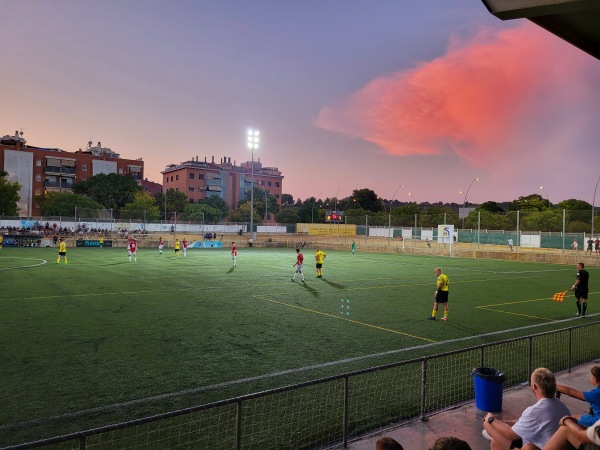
x=126 y=200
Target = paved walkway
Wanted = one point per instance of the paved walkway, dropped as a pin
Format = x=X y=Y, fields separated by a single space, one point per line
x=465 y=421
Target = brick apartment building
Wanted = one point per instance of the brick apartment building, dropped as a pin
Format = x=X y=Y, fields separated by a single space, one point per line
x=201 y=179
x=39 y=169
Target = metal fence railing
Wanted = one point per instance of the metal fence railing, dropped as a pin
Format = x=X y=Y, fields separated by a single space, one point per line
x=334 y=410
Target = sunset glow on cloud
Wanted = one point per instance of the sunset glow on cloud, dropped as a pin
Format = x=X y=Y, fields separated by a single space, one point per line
x=472 y=102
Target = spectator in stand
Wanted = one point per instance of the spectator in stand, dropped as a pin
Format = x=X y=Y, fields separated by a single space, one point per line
x=570 y=435
x=387 y=443
x=592 y=397
x=537 y=424
x=450 y=443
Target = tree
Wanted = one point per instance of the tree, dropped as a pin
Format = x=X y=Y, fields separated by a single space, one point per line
x=287 y=200
x=143 y=206
x=574 y=205
x=287 y=215
x=9 y=196
x=64 y=203
x=533 y=201
x=218 y=203
x=176 y=202
x=242 y=214
x=366 y=199
x=493 y=207
x=111 y=190
x=198 y=212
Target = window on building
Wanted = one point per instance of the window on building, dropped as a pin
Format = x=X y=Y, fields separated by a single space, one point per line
x=38 y=178
x=200 y=189
x=171 y=177
x=276 y=195
x=177 y=177
x=191 y=200
x=191 y=188
x=176 y=189
x=38 y=162
x=262 y=183
x=268 y=183
x=277 y=184
x=201 y=176
x=191 y=176
x=84 y=167
x=120 y=171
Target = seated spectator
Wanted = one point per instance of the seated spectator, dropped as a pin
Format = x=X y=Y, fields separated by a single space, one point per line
x=592 y=397
x=387 y=443
x=450 y=443
x=570 y=435
x=537 y=424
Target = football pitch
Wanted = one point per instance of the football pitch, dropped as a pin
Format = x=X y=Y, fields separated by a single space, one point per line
x=102 y=340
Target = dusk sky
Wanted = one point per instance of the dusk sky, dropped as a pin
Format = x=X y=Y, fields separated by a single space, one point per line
x=347 y=94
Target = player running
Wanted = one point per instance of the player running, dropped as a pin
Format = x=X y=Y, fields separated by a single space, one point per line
x=132 y=249
x=298 y=265
x=353 y=248
x=161 y=244
x=184 y=246
x=234 y=254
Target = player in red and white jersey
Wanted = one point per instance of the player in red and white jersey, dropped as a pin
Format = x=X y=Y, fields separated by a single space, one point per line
x=132 y=249
x=234 y=254
x=184 y=246
x=298 y=265
x=160 y=245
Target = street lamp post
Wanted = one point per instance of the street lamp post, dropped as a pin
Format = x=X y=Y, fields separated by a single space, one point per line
x=312 y=209
x=593 y=202
x=545 y=192
x=394 y=196
x=467 y=193
x=253 y=140
x=266 y=211
x=336 y=199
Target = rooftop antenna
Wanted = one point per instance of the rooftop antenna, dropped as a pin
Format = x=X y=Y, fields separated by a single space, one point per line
x=90 y=142
x=21 y=132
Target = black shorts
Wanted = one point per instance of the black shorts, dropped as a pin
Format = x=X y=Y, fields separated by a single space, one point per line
x=62 y=253
x=441 y=297
x=581 y=293
x=319 y=265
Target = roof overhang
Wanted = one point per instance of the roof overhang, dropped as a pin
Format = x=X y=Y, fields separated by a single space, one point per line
x=575 y=21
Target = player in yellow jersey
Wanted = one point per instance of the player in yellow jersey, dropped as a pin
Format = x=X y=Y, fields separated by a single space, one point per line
x=320 y=257
x=441 y=294
x=177 y=246
x=62 y=251
x=1 y=238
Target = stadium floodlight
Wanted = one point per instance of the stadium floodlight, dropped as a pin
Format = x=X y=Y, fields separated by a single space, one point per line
x=253 y=141
x=336 y=199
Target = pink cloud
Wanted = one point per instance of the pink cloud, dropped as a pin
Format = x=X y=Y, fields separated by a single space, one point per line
x=470 y=102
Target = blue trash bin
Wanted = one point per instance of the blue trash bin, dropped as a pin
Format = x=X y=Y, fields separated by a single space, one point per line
x=488 y=388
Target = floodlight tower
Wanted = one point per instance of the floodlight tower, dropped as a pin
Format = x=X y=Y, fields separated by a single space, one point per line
x=253 y=141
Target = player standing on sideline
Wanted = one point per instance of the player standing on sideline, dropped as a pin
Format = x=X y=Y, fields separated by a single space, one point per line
x=177 y=245
x=441 y=294
x=581 y=289
x=575 y=245
x=590 y=244
x=101 y=242
x=298 y=265
x=161 y=244
x=597 y=245
x=510 y=244
x=234 y=254
x=353 y=248
x=62 y=251
x=132 y=249
x=320 y=257
x=184 y=245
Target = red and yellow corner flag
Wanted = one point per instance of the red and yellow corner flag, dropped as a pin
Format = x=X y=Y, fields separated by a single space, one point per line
x=559 y=296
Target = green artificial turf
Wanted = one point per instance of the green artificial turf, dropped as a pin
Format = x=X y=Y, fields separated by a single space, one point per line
x=102 y=340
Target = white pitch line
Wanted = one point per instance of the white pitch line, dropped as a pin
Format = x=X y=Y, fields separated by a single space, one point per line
x=43 y=261
x=266 y=376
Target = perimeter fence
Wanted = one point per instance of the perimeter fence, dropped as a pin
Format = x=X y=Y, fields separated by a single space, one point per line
x=332 y=411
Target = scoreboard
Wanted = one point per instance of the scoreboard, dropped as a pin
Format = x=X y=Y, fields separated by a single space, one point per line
x=334 y=216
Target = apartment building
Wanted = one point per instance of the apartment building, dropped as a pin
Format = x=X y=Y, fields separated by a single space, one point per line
x=202 y=179
x=40 y=170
